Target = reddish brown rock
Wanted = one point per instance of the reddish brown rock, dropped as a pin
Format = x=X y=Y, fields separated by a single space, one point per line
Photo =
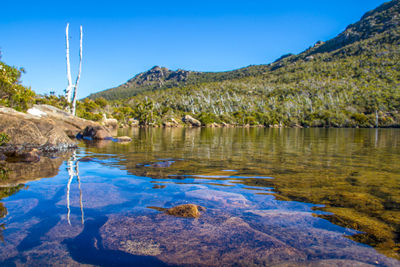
x=185 y=210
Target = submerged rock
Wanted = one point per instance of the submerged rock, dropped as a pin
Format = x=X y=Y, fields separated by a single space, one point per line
x=186 y=211
x=211 y=240
x=161 y=164
x=227 y=199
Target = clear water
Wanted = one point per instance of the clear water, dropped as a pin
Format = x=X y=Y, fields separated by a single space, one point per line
x=273 y=197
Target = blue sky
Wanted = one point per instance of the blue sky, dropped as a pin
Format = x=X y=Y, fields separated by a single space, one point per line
x=123 y=38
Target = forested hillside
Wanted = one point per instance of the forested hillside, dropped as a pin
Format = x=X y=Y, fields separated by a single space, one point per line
x=345 y=82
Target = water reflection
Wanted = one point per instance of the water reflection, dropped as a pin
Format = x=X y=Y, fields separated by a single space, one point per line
x=73 y=171
x=284 y=197
x=352 y=172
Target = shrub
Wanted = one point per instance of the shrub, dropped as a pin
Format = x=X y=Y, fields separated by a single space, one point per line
x=4 y=139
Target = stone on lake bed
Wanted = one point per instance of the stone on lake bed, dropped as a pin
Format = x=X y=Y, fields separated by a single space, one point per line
x=211 y=240
x=186 y=211
x=225 y=198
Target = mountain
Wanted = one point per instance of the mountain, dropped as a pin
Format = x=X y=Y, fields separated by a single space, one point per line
x=347 y=81
x=161 y=78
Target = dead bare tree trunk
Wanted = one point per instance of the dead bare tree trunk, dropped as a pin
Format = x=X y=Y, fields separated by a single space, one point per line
x=79 y=74
x=69 y=87
x=68 y=92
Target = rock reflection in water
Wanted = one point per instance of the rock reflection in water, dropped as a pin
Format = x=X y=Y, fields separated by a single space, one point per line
x=14 y=175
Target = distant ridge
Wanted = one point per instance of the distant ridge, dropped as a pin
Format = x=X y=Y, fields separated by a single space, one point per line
x=352 y=80
x=380 y=20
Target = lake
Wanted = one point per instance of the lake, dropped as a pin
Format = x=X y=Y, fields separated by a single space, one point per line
x=272 y=197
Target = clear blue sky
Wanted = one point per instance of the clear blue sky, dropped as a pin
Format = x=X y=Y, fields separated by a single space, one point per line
x=123 y=38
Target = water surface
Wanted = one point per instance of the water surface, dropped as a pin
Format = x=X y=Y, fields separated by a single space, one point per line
x=275 y=197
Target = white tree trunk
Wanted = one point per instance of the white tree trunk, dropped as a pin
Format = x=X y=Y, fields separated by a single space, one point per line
x=69 y=87
x=79 y=74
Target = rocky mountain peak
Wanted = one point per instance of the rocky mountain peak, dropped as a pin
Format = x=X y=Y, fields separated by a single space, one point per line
x=384 y=18
x=158 y=75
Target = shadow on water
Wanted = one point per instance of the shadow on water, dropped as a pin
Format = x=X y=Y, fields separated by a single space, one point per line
x=87 y=248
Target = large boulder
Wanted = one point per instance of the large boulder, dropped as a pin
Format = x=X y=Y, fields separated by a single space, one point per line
x=28 y=131
x=191 y=121
x=71 y=125
x=95 y=133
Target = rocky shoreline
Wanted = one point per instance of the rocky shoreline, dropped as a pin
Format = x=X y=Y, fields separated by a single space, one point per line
x=46 y=130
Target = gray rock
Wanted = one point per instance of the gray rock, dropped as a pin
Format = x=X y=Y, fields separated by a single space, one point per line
x=192 y=121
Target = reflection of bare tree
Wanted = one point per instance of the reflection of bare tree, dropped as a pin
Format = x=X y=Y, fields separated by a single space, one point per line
x=73 y=171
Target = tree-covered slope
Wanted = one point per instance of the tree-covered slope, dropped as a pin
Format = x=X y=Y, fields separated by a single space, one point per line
x=343 y=82
x=163 y=78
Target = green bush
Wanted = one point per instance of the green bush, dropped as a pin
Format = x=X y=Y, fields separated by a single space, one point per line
x=4 y=139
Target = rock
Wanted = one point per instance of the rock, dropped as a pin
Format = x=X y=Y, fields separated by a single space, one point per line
x=168 y=124
x=36 y=112
x=171 y=123
x=123 y=139
x=226 y=199
x=72 y=125
x=186 y=211
x=224 y=124
x=109 y=123
x=2 y=157
x=28 y=131
x=161 y=164
x=72 y=133
x=95 y=133
x=133 y=122
x=213 y=125
x=211 y=240
x=309 y=58
x=192 y=121
x=297 y=126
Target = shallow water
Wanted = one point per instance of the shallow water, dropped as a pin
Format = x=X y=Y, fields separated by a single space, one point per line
x=275 y=197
